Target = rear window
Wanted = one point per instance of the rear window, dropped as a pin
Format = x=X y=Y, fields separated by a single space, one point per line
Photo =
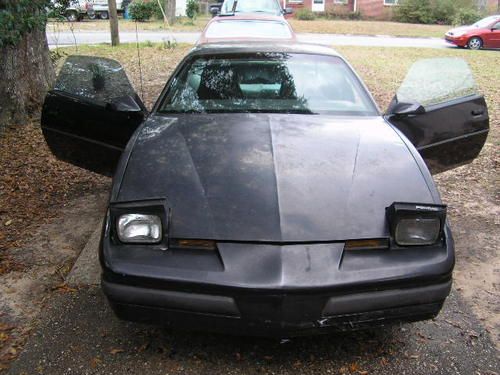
x=267 y=83
x=251 y=6
x=248 y=29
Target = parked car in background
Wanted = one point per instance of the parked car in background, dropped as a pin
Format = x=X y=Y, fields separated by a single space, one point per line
x=215 y=8
x=101 y=8
x=272 y=7
x=76 y=10
x=265 y=193
x=247 y=27
x=483 y=34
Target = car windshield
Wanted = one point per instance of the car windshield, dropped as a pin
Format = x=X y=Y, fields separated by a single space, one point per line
x=251 y=6
x=268 y=83
x=248 y=29
x=485 y=22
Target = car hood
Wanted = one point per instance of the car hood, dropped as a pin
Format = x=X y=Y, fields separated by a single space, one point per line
x=461 y=29
x=275 y=178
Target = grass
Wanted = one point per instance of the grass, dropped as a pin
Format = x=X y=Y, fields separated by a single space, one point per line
x=183 y=24
x=316 y=26
x=368 y=28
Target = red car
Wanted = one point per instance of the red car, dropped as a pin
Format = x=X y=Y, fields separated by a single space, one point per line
x=247 y=27
x=482 y=34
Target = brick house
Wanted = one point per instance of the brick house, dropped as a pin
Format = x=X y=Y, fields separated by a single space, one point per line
x=370 y=9
x=375 y=9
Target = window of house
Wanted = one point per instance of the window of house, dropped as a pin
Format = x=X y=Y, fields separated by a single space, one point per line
x=391 y=2
x=340 y=1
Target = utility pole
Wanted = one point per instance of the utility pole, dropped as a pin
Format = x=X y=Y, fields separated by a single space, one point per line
x=113 y=22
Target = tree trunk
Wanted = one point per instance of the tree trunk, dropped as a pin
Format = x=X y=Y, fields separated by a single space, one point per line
x=170 y=11
x=113 y=21
x=26 y=74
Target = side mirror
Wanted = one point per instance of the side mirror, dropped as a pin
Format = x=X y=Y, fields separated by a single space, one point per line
x=124 y=104
x=214 y=11
x=405 y=109
x=288 y=11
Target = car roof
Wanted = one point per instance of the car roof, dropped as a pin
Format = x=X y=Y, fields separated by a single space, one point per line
x=245 y=17
x=231 y=47
x=248 y=17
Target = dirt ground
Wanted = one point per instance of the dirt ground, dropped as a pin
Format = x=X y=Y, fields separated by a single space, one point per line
x=48 y=209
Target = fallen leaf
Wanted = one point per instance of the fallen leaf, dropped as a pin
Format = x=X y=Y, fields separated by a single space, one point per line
x=116 y=351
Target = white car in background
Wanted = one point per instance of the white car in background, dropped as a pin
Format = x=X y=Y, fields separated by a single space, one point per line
x=101 y=8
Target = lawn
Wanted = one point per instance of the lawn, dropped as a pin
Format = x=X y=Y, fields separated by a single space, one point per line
x=316 y=26
x=368 y=28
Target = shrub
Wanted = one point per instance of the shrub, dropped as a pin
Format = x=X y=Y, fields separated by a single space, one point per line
x=305 y=14
x=415 y=11
x=141 y=11
x=437 y=11
x=341 y=13
x=466 y=16
x=192 y=9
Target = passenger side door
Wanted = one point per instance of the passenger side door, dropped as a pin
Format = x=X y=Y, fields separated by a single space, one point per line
x=91 y=113
x=439 y=109
x=492 y=37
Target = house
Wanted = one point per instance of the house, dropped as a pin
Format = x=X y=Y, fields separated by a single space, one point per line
x=375 y=9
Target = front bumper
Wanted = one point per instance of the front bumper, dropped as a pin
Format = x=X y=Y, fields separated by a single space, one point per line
x=276 y=290
x=276 y=314
x=457 y=41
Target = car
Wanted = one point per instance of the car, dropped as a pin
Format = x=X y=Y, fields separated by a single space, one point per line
x=75 y=10
x=272 y=7
x=101 y=8
x=214 y=8
x=247 y=27
x=483 y=34
x=265 y=193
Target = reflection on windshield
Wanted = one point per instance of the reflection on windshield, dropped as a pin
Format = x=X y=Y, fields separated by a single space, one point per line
x=485 y=22
x=434 y=81
x=251 y=6
x=269 y=83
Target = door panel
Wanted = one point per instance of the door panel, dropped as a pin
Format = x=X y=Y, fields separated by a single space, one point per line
x=81 y=119
x=454 y=127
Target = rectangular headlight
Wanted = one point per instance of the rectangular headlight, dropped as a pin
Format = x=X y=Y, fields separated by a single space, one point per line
x=416 y=224
x=139 y=228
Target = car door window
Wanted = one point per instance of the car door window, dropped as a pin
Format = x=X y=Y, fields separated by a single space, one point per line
x=95 y=79
x=435 y=81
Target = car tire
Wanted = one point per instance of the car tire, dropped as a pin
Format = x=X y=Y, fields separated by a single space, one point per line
x=475 y=43
x=71 y=16
x=91 y=16
x=103 y=15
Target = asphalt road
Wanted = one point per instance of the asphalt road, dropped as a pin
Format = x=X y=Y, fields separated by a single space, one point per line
x=79 y=334
x=97 y=37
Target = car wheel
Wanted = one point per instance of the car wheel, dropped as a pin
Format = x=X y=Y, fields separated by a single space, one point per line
x=71 y=16
x=475 y=43
x=103 y=15
x=91 y=16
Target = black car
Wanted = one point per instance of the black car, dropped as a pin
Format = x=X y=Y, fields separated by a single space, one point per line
x=265 y=194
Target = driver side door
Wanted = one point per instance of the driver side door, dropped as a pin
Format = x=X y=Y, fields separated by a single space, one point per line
x=91 y=113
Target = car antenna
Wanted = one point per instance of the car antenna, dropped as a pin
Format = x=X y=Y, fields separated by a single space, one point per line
x=139 y=59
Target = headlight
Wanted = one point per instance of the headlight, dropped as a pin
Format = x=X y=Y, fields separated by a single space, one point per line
x=416 y=224
x=139 y=228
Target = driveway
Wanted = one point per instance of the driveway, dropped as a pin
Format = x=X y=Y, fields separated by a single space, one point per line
x=97 y=37
x=80 y=335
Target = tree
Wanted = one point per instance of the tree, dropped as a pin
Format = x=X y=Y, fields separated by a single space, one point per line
x=26 y=70
x=170 y=11
x=113 y=22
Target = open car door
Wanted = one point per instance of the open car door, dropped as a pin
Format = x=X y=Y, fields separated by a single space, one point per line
x=91 y=113
x=439 y=109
